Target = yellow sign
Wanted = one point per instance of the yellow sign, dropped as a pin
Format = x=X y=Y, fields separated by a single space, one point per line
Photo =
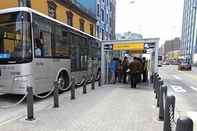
x=128 y=46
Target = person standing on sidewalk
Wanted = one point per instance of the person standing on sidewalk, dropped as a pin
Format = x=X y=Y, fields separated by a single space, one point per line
x=114 y=66
x=120 y=70
x=125 y=68
x=145 y=70
x=133 y=66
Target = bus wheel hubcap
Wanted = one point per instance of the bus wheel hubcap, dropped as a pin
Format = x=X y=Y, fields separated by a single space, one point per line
x=61 y=82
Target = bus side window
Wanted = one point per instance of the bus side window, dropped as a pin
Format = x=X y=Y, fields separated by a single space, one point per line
x=60 y=46
x=42 y=33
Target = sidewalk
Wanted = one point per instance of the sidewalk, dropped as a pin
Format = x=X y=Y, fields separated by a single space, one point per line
x=107 y=108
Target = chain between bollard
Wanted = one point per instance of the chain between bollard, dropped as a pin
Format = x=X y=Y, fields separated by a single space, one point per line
x=45 y=96
x=169 y=113
x=81 y=83
x=98 y=77
x=90 y=81
x=84 y=86
x=172 y=120
x=163 y=94
x=68 y=87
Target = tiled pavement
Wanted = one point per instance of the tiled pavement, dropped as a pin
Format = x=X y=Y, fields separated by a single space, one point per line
x=107 y=108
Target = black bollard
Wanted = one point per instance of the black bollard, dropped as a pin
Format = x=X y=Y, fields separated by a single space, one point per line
x=154 y=78
x=184 y=124
x=169 y=113
x=163 y=94
x=154 y=82
x=93 y=82
x=56 y=94
x=156 y=86
x=72 y=90
x=157 y=83
x=158 y=91
x=30 y=106
x=84 y=86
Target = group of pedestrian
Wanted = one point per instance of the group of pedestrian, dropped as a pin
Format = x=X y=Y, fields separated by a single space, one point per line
x=135 y=70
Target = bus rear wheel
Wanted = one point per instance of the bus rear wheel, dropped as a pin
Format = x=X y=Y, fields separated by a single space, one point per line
x=63 y=81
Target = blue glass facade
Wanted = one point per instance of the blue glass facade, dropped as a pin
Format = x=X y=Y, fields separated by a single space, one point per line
x=105 y=14
x=90 y=5
x=188 y=37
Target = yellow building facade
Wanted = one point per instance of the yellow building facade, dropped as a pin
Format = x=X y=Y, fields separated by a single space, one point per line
x=60 y=10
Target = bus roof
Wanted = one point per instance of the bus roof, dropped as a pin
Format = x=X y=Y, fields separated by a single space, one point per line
x=26 y=9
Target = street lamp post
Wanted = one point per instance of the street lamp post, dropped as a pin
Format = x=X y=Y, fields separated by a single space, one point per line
x=193 y=38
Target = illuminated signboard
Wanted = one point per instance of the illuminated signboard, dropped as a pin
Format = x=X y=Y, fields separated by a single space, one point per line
x=129 y=46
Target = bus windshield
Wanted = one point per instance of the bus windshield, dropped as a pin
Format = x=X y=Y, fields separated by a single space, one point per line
x=15 y=38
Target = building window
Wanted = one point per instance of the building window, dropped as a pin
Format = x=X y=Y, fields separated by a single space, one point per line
x=25 y=3
x=103 y=34
x=102 y=15
x=91 y=29
x=98 y=10
x=107 y=18
x=110 y=6
x=52 y=9
x=81 y=24
x=98 y=31
x=69 y=18
x=110 y=22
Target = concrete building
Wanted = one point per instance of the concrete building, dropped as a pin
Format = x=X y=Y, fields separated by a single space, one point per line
x=66 y=11
x=105 y=26
x=171 y=48
x=188 y=37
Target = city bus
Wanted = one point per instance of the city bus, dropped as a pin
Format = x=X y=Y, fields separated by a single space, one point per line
x=36 y=50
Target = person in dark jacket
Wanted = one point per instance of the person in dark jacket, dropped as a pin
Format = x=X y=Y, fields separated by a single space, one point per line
x=125 y=68
x=145 y=70
x=134 y=67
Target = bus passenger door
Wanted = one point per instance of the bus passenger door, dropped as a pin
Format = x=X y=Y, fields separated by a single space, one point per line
x=42 y=34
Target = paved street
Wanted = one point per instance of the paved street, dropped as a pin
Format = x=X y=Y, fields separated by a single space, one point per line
x=183 y=84
x=108 y=108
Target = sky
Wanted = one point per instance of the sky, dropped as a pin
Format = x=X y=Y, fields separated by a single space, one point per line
x=151 y=18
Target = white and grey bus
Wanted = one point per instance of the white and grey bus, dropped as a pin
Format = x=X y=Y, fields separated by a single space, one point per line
x=36 y=50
